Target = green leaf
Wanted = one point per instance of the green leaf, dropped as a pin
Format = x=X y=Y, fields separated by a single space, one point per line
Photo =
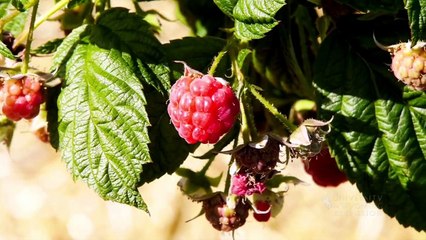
x=67 y=46
x=167 y=149
x=49 y=47
x=6 y=130
x=5 y=51
x=378 y=134
x=254 y=18
x=227 y=6
x=417 y=16
x=16 y=26
x=103 y=125
x=132 y=34
x=197 y=52
x=104 y=128
x=202 y=16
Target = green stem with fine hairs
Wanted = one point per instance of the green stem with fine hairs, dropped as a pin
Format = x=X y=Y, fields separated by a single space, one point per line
x=271 y=108
x=29 y=39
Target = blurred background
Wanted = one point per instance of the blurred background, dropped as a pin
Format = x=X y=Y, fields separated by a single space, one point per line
x=39 y=199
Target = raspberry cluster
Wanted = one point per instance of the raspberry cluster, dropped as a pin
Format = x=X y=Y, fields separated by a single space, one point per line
x=20 y=97
x=409 y=64
x=202 y=108
x=256 y=165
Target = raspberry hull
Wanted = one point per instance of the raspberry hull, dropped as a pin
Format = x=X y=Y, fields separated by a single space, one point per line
x=202 y=108
x=21 y=98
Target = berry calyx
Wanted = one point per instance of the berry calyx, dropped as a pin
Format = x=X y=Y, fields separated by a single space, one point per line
x=324 y=170
x=409 y=64
x=262 y=211
x=21 y=97
x=202 y=107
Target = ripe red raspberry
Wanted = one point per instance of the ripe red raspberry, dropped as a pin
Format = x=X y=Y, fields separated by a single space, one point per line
x=21 y=97
x=324 y=170
x=262 y=211
x=202 y=108
x=223 y=217
x=409 y=64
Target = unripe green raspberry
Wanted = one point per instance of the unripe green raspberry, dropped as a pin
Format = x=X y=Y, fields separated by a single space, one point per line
x=409 y=64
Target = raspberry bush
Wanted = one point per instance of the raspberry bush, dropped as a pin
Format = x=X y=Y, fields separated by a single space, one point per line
x=124 y=108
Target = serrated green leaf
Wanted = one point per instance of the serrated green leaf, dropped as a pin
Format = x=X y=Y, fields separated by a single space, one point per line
x=417 y=17
x=64 y=50
x=5 y=51
x=49 y=47
x=17 y=25
x=378 y=134
x=253 y=18
x=226 y=6
x=134 y=35
x=103 y=125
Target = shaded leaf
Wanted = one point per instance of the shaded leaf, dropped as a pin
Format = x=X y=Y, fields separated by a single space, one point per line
x=167 y=149
x=417 y=17
x=196 y=52
x=377 y=135
x=49 y=47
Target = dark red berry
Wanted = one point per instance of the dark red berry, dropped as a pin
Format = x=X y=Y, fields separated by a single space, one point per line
x=324 y=170
x=223 y=217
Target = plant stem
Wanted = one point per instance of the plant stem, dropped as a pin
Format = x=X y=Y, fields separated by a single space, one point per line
x=216 y=61
x=228 y=174
x=8 y=18
x=207 y=165
x=29 y=39
x=219 y=57
x=290 y=126
x=245 y=130
x=138 y=8
x=58 y=6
